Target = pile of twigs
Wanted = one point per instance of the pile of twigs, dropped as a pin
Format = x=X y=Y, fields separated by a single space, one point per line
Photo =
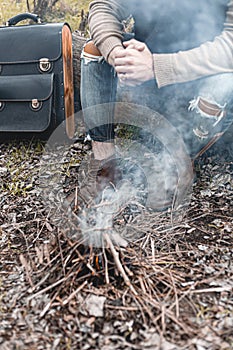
x=170 y=286
x=158 y=280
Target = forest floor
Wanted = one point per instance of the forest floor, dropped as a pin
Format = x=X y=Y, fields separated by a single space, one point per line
x=170 y=288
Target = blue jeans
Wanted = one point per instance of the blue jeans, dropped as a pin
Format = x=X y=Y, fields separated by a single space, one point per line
x=201 y=110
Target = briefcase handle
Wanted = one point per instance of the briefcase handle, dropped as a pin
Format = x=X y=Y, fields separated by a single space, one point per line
x=21 y=17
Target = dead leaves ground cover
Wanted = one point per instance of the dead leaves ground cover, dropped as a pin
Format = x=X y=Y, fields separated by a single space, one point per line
x=172 y=288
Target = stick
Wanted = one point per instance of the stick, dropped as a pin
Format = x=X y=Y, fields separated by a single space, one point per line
x=118 y=264
x=70 y=297
x=106 y=266
x=50 y=287
x=27 y=268
x=212 y=290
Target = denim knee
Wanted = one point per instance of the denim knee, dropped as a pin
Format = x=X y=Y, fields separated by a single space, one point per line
x=215 y=100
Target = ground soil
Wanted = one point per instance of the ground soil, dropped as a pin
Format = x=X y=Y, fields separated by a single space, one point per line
x=170 y=288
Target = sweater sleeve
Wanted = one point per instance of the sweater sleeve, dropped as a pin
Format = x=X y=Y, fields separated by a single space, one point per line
x=212 y=57
x=105 y=22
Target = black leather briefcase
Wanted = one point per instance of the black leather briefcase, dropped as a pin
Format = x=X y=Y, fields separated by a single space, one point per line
x=36 y=78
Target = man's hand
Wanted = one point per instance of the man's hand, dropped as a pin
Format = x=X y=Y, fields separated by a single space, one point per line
x=134 y=64
x=134 y=44
x=113 y=53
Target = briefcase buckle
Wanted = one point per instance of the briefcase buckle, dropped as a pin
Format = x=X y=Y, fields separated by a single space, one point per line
x=44 y=65
x=35 y=104
x=2 y=105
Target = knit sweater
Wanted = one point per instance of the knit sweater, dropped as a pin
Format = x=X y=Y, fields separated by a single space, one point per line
x=189 y=39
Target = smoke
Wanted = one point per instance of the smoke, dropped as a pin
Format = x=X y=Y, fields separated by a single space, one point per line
x=149 y=179
x=156 y=167
x=97 y=221
x=170 y=26
x=156 y=173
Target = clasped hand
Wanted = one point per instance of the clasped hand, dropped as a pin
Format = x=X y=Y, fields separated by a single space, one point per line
x=133 y=64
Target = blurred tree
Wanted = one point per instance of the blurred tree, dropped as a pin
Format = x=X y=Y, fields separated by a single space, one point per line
x=41 y=7
x=83 y=22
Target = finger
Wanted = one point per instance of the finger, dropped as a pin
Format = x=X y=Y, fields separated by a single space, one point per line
x=121 y=54
x=122 y=76
x=128 y=53
x=134 y=44
x=138 y=48
x=124 y=61
x=130 y=42
x=131 y=46
x=124 y=70
x=128 y=79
